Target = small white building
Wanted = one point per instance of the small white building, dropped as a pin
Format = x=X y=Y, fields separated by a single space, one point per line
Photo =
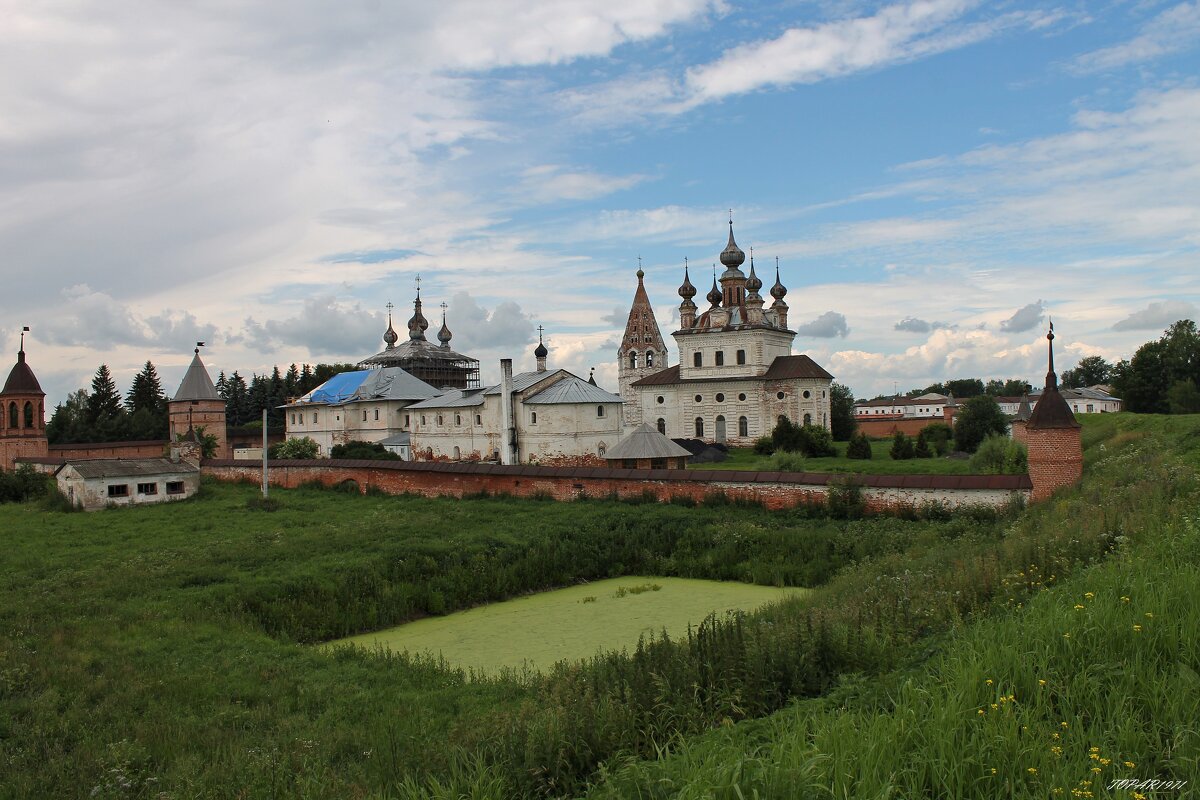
x=98 y=484
x=545 y=416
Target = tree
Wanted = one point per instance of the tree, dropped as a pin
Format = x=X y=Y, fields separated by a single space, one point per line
x=106 y=417
x=69 y=423
x=208 y=441
x=147 y=406
x=841 y=412
x=979 y=416
x=921 y=450
x=1184 y=398
x=964 y=387
x=1090 y=370
x=236 y=400
x=1000 y=455
x=1013 y=387
x=323 y=372
x=1143 y=382
x=938 y=434
x=859 y=447
x=291 y=381
x=304 y=448
x=902 y=446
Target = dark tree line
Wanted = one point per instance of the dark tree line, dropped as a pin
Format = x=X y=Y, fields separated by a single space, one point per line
x=244 y=403
x=101 y=415
x=1163 y=376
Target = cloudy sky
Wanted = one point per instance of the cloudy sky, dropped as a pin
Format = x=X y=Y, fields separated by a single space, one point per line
x=935 y=177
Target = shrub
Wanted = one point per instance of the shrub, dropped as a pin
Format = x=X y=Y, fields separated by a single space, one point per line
x=922 y=448
x=21 y=484
x=902 y=446
x=764 y=446
x=845 y=500
x=808 y=440
x=939 y=435
x=367 y=451
x=303 y=449
x=859 y=447
x=787 y=462
x=979 y=417
x=55 y=500
x=1000 y=455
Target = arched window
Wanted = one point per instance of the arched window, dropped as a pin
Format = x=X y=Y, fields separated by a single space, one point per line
x=458 y=419
x=720 y=428
x=649 y=358
x=808 y=419
x=720 y=358
x=699 y=427
x=457 y=453
x=29 y=415
x=599 y=411
x=12 y=415
x=533 y=418
x=743 y=426
x=782 y=418
x=600 y=449
x=633 y=360
x=662 y=426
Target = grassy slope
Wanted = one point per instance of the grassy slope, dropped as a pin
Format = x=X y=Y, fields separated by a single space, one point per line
x=570 y=624
x=1091 y=680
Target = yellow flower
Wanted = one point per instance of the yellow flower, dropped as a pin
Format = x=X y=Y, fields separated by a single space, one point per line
x=1130 y=764
x=1089 y=595
x=993 y=770
x=1041 y=682
x=1137 y=628
x=1093 y=749
x=994 y=706
x=980 y=711
x=1032 y=770
x=1067 y=635
x=1078 y=607
x=1056 y=750
x=1097 y=769
x=1149 y=615
x=1063 y=724
x=988 y=681
x=1105 y=761
x=1055 y=735
x=1124 y=598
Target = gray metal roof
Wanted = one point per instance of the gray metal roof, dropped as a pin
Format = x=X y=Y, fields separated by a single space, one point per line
x=397 y=439
x=196 y=384
x=645 y=442
x=572 y=390
x=129 y=468
x=523 y=380
x=392 y=383
x=453 y=398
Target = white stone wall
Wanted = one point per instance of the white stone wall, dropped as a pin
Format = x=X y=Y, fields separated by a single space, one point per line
x=92 y=493
x=338 y=424
x=761 y=346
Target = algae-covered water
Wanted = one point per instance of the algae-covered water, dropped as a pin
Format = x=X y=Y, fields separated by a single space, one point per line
x=570 y=624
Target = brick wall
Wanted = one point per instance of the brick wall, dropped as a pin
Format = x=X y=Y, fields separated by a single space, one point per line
x=17 y=448
x=154 y=448
x=886 y=428
x=1055 y=460
x=775 y=490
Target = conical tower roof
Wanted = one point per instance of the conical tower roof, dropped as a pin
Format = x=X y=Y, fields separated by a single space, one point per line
x=641 y=323
x=1051 y=410
x=21 y=379
x=196 y=384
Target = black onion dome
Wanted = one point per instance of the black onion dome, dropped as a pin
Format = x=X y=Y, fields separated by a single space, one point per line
x=687 y=291
x=390 y=337
x=540 y=351
x=778 y=290
x=444 y=335
x=753 y=284
x=714 y=294
x=417 y=324
x=732 y=256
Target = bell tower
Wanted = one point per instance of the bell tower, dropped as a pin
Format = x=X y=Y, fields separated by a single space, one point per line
x=642 y=351
x=23 y=407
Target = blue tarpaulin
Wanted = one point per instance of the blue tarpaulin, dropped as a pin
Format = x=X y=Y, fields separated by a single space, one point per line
x=339 y=388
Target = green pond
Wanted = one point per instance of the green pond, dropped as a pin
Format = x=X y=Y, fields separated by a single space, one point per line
x=569 y=624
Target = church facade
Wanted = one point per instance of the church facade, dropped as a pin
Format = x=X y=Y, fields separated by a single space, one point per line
x=736 y=375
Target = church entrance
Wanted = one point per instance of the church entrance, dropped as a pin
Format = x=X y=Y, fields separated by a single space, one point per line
x=721 y=429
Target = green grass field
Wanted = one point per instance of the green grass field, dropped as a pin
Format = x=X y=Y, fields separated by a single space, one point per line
x=168 y=651
x=880 y=463
x=571 y=624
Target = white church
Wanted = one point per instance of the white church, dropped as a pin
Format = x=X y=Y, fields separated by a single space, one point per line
x=736 y=375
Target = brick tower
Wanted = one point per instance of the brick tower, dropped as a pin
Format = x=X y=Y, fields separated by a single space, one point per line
x=642 y=352
x=1052 y=436
x=197 y=405
x=23 y=403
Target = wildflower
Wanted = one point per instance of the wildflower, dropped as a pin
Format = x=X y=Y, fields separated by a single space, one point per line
x=1139 y=796
x=1149 y=615
x=1032 y=770
x=1079 y=607
x=994 y=706
x=1130 y=764
x=1067 y=635
x=988 y=681
x=1055 y=735
x=1097 y=769
x=1041 y=682
x=1063 y=724
x=1104 y=762
x=1056 y=750
x=980 y=711
x=1124 y=598
x=1137 y=628
x=1093 y=749
x=1089 y=595
x=993 y=770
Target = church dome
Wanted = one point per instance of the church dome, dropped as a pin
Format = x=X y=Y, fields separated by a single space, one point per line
x=686 y=291
x=753 y=284
x=390 y=337
x=732 y=256
x=778 y=290
x=540 y=351
x=714 y=294
x=444 y=335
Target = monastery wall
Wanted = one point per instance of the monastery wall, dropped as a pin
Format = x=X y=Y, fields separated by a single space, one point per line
x=773 y=489
x=886 y=428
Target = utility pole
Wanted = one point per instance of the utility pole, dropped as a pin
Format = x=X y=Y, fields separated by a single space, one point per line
x=264 y=486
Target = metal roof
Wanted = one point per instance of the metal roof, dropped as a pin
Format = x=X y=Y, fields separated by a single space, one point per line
x=645 y=441
x=196 y=384
x=397 y=439
x=453 y=398
x=128 y=468
x=414 y=349
x=523 y=380
x=781 y=368
x=1051 y=411
x=21 y=379
x=365 y=385
x=572 y=390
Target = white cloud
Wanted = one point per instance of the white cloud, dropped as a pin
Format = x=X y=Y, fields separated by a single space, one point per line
x=549 y=182
x=829 y=325
x=1024 y=318
x=1172 y=31
x=1157 y=316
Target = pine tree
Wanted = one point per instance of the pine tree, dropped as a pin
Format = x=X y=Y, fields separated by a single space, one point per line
x=106 y=416
x=147 y=406
x=291 y=382
x=222 y=386
x=307 y=381
x=922 y=449
x=236 y=400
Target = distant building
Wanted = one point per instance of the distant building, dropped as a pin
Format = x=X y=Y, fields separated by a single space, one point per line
x=437 y=365
x=197 y=406
x=22 y=414
x=736 y=376
x=101 y=483
x=899 y=407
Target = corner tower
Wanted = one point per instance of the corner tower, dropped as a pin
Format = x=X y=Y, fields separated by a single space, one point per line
x=1052 y=437
x=197 y=404
x=642 y=351
x=23 y=407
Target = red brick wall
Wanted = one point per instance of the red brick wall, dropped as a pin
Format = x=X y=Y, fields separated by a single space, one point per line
x=13 y=448
x=774 y=490
x=886 y=428
x=207 y=414
x=1055 y=460
x=96 y=450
